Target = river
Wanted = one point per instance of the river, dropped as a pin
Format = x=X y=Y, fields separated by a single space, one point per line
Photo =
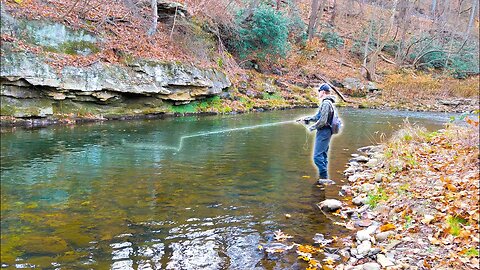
x=128 y=195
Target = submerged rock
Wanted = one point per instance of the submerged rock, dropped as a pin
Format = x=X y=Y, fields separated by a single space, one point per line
x=320 y=239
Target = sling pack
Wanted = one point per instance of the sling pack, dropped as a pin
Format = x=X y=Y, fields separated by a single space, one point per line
x=334 y=121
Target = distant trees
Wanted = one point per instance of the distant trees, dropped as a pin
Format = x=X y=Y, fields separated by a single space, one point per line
x=403 y=35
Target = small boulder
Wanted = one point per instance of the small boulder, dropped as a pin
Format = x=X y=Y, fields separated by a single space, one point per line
x=363 y=235
x=384 y=261
x=371 y=266
x=360 y=200
x=345 y=190
x=352 y=84
x=364 y=247
x=320 y=239
x=372 y=162
x=367 y=187
x=330 y=205
x=371 y=229
x=349 y=171
x=379 y=177
x=383 y=236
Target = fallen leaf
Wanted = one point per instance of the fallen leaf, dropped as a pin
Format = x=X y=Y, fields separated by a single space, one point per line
x=434 y=241
x=387 y=227
x=451 y=187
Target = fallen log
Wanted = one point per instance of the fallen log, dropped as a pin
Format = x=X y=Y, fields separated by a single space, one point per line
x=331 y=85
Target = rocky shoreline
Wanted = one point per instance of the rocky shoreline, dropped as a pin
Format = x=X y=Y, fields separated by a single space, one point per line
x=398 y=210
x=35 y=122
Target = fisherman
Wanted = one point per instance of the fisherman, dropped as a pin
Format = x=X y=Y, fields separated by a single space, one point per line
x=322 y=124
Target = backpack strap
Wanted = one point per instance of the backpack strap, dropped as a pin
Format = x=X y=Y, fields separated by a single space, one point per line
x=330 y=113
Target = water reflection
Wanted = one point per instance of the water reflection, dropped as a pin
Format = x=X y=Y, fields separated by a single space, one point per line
x=107 y=196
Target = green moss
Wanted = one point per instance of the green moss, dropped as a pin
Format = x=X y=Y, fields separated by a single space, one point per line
x=455 y=225
x=297 y=89
x=44 y=244
x=472 y=252
x=7 y=110
x=274 y=96
x=10 y=250
x=184 y=108
x=74 y=47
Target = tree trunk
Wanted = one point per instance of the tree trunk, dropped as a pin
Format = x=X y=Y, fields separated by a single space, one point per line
x=319 y=16
x=404 y=21
x=334 y=13
x=313 y=19
x=370 y=59
x=472 y=18
x=434 y=9
x=153 y=28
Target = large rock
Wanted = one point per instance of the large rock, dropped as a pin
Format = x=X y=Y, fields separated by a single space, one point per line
x=353 y=84
x=140 y=77
x=330 y=205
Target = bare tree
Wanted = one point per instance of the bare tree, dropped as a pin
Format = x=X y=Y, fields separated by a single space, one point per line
x=316 y=13
x=313 y=18
x=472 y=18
x=404 y=19
x=381 y=38
x=334 y=13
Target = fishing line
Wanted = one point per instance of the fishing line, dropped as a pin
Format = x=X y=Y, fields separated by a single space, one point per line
x=180 y=145
x=305 y=145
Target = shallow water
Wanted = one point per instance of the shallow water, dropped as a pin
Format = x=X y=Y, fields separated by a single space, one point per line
x=125 y=195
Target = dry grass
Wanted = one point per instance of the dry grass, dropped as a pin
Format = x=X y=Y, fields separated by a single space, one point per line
x=409 y=85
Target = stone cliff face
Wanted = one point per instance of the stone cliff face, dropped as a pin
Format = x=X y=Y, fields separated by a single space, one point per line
x=31 y=88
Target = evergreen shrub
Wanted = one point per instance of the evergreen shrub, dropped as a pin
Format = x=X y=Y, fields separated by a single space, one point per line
x=332 y=39
x=264 y=35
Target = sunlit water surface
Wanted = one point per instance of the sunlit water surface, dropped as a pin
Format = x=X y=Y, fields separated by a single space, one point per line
x=119 y=195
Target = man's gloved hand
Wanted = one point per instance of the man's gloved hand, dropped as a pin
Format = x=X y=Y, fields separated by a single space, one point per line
x=312 y=128
x=305 y=120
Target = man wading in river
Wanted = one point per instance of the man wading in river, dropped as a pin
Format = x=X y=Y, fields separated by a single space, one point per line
x=326 y=123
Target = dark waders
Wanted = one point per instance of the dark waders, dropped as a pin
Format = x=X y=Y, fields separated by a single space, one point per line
x=320 y=152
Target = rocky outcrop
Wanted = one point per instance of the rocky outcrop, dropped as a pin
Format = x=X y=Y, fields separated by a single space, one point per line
x=27 y=76
x=30 y=87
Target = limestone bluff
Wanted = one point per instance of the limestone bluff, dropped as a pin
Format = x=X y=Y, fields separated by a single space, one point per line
x=31 y=88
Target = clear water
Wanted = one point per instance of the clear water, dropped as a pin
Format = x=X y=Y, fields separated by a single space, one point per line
x=118 y=195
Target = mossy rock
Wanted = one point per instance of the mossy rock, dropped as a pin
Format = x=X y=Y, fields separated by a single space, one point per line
x=47 y=245
x=75 y=236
